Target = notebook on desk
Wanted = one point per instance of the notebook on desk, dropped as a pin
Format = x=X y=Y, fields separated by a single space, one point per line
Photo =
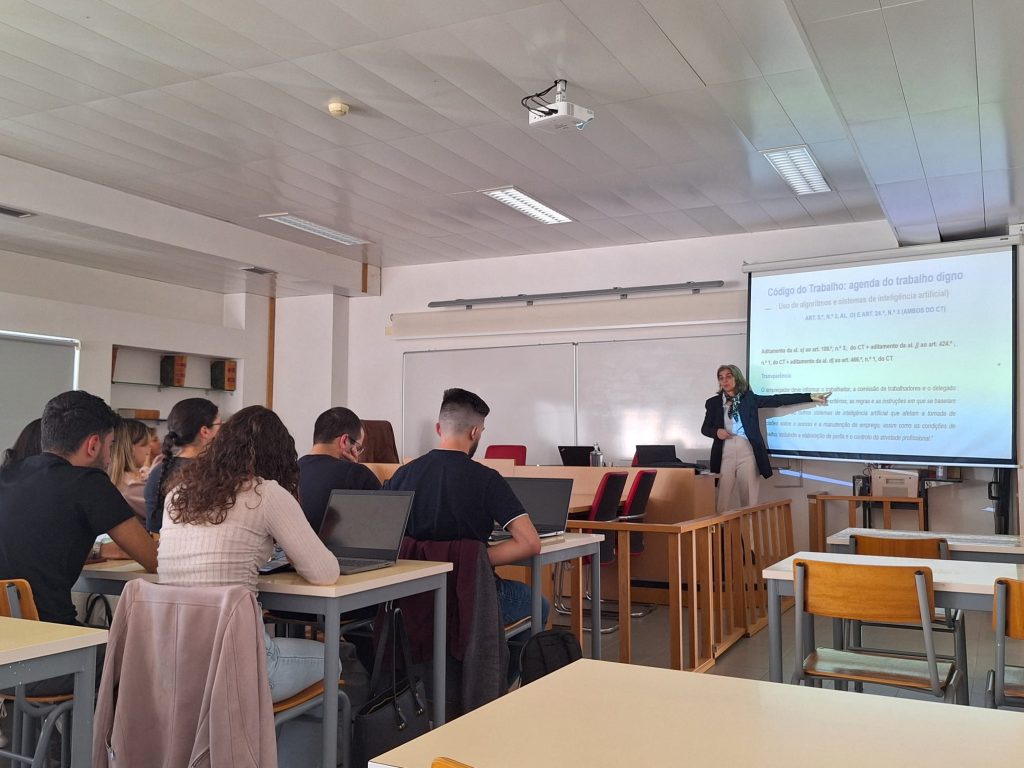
x=546 y=501
x=363 y=529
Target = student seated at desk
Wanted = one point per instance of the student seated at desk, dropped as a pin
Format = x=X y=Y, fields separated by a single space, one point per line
x=332 y=463
x=458 y=498
x=191 y=425
x=55 y=504
x=27 y=444
x=129 y=454
x=220 y=524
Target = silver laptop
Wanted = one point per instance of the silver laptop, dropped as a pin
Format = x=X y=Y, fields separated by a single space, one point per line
x=546 y=501
x=364 y=529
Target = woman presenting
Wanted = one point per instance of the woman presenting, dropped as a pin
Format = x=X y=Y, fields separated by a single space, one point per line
x=739 y=452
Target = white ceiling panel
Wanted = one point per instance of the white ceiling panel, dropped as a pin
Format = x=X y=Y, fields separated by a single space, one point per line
x=997 y=25
x=768 y=34
x=715 y=221
x=787 y=212
x=949 y=141
x=629 y=33
x=888 y=150
x=752 y=106
x=840 y=165
x=820 y=10
x=857 y=59
x=705 y=38
x=952 y=195
x=862 y=204
x=933 y=43
x=808 y=105
x=1002 y=134
x=826 y=208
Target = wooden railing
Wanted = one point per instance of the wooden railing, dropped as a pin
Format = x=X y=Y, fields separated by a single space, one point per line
x=718 y=559
x=816 y=527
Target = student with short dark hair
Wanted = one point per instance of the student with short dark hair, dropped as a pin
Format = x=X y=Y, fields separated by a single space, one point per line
x=54 y=505
x=191 y=425
x=332 y=463
x=458 y=498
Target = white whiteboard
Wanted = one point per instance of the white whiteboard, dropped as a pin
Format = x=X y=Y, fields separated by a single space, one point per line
x=530 y=391
x=651 y=392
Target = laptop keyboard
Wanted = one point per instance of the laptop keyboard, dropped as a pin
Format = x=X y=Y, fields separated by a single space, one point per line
x=356 y=562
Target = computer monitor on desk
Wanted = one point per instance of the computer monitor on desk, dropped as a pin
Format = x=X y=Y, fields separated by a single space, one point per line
x=575 y=455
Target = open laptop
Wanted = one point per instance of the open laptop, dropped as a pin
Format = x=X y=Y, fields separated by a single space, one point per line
x=661 y=456
x=363 y=529
x=575 y=455
x=546 y=500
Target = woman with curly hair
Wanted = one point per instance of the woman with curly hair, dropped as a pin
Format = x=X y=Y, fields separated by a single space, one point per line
x=235 y=500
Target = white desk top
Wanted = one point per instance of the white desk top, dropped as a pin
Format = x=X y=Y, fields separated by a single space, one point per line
x=668 y=718
x=947 y=575
x=23 y=640
x=568 y=540
x=965 y=542
x=292 y=583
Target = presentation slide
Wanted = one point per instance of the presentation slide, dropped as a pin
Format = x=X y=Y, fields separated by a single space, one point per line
x=918 y=355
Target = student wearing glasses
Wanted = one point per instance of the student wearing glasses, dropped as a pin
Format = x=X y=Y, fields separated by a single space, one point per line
x=333 y=463
x=191 y=425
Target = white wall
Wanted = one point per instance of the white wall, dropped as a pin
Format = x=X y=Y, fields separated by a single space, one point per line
x=310 y=361
x=102 y=309
x=375 y=358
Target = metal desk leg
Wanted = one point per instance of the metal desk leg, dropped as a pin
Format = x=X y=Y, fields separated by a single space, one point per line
x=536 y=597
x=774 y=632
x=595 y=604
x=440 y=650
x=82 y=709
x=332 y=672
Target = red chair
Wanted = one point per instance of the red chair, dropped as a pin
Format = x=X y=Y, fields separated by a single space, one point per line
x=515 y=452
x=635 y=508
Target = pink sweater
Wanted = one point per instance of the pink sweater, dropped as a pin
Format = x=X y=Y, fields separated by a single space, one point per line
x=230 y=553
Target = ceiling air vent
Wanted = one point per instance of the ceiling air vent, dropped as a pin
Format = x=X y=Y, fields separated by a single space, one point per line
x=14 y=213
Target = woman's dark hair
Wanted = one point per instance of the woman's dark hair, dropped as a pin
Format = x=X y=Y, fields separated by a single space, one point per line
x=252 y=446
x=741 y=381
x=184 y=421
x=27 y=444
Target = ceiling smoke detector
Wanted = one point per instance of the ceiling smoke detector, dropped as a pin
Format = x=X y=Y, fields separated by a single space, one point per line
x=337 y=108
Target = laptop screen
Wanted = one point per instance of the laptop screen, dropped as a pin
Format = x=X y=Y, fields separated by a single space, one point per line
x=366 y=524
x=575 y=455
x=655 y=454
x=546 y=500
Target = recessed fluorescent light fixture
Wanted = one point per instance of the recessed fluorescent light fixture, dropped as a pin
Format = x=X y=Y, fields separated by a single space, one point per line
x=797 y=167
x=314 y=229
x=526 y=205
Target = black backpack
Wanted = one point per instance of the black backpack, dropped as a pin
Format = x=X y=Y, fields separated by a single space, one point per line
x=547 y=651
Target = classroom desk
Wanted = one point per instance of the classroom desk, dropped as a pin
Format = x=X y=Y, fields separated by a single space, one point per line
x=558 y=549
x=957 y=584
x=666 y=718
x=988 y=547
x=290 y=592
x=38 y=650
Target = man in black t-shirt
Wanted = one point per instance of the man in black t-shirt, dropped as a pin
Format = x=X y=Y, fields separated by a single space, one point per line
x=458 y=498
x=332 y=463
x=55 y=504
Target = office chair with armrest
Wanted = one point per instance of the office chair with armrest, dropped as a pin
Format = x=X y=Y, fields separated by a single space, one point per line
x=1004 y=685
x=945 y=620
x=515 y=452
x=35 y=717
x=853 y=592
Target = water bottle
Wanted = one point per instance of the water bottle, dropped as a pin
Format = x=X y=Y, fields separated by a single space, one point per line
x=596 y=457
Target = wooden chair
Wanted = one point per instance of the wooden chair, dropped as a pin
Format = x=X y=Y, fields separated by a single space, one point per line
x=945 y=620
x=1004 y=686
x=515 y=452
x=35 y=717
x=891 y=594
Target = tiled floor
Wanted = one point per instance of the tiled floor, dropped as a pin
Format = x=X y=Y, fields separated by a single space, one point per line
x=749 y=657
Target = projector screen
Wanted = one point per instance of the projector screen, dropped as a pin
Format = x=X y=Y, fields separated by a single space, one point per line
x=919 y=355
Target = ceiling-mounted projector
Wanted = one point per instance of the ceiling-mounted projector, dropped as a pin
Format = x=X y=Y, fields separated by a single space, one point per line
x=559 y=115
